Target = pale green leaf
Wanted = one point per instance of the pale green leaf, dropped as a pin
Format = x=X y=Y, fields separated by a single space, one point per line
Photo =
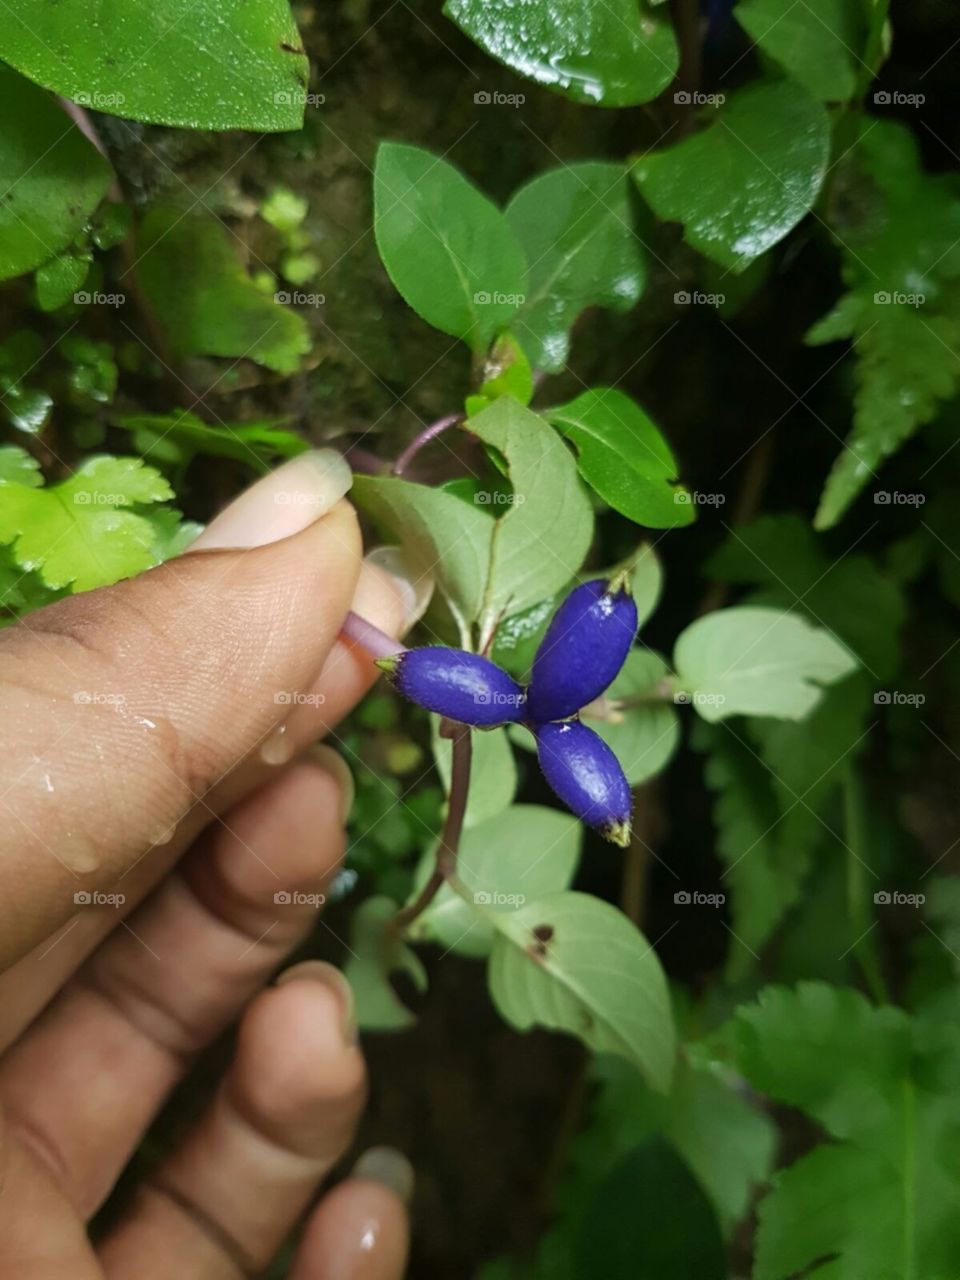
x=576 y=227
x=522 y=854
x=51 y=177
x=643 y=737
x=574 y=963
x=203 y=298
x=613 y=54
x=447 y=248
x=754 y=661
x=623 y=456
x=746 y=180
x=191 y=63
x=493 y=771
x=376 y=952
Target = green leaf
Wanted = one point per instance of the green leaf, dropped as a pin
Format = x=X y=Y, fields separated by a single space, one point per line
x=79 y=533
x=576 y=227
x=899 y=229
x=821 y=43
x=165 y=61
x=880 y=1199
x=764 y=872
x=440 y=533
x=19 y=467
x=541 y=541
x=256 y=444
x=746 y=180
x=53 y=178
x=506 y=372
x=650 y=1218
x=58 y=279
x=851 y=596
x=611 y=54
x=493 y=772
x=752 y=661
x=645 y=737
x=623 y=456
x=520 y=855
x=203 y=299
x=376 y=952
x=574 y=963
x=446 y=247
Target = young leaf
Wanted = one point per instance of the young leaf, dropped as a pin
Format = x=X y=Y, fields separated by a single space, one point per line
x=623 y=456
x=751 y=661
x=238 y=66
x=611 y=54
x=376 y=952
x=257 y=444
x=205 y=301
x=520 y=855
x=493 y=772
x=821 y=43
x=880 y=1198
x=746 y=180
x=506 y=372
x=53 y=178
x=900 y=232
x=446 y=247
x=576 y=227
x=643 y=737
x=650 y=1218
x=78 y=533
x=574 y=963
x=541 y=541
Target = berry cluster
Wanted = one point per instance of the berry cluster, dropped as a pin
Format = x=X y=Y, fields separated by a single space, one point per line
x=581 y=653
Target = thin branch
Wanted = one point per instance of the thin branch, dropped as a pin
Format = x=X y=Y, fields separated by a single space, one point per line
x=426 y=435
x=446 y=865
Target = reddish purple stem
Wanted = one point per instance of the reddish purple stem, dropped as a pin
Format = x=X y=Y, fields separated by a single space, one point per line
x=426 y=435
x=376 y=642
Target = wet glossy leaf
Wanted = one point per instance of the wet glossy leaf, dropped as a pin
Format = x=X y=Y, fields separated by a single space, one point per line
x=52 y=177
x=199 y=66
x=576 y=227
x=747 y=179
x=821 y=43
x=574 y=963
x=205 y=301
x=623 y=456
x=611 y=53
x=447 y=248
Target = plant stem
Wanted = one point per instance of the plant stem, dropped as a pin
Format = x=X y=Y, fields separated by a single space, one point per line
x=446 y=865
x=376 y=642
x=426 y=435
x=855 y=836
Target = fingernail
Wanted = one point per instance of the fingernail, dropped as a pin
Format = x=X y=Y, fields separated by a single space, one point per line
x=389 y=1167
x=335 y=764
x=281 y=503
x=415 y=588
x=330 y=976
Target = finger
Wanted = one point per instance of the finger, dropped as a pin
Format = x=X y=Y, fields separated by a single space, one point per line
x=360 y=1230
x=225 y=1200
x=89 y=1075
x=385 y=595
x=128 y=703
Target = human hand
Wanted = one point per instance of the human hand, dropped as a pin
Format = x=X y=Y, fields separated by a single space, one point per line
x=151 y=811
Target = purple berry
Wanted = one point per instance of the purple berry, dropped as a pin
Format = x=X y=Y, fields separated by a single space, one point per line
x=582 y=651
x=460 y=685
x=587 y=777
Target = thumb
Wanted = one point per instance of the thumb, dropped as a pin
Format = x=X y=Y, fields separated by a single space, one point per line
x=121 y=707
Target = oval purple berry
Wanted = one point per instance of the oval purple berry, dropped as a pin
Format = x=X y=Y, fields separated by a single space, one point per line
x=587 y=777
x=460 y=685
x=584 y=647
